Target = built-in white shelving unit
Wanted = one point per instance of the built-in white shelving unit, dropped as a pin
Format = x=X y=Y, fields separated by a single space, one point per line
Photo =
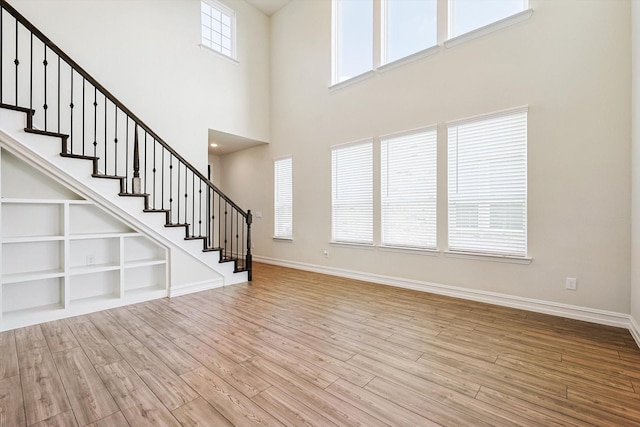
x=67 y=257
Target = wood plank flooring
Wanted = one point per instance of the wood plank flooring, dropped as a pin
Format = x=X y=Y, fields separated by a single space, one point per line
x=302 y=349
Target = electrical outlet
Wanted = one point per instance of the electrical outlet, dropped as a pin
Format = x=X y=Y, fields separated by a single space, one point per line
x=571 y=283
x=326 y=253
x=91 y=260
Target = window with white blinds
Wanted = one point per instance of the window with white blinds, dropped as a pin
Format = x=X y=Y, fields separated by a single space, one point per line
x=408 y=184
x=487 y=184
x=352 y=193
x=283 y=198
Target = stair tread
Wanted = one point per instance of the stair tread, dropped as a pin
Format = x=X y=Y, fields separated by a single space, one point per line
x=79 y=156
x=46 y=132
x=176 y=225
x=195 y=238
x=133 y=194
x=211 y=249
x=101 y=175
x=157 y=210
x=17 y=108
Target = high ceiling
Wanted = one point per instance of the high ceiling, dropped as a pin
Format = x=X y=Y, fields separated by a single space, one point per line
x=269 y=7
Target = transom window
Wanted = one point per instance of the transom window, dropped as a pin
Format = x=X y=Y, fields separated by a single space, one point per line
x=468 y=15
x=218 y=24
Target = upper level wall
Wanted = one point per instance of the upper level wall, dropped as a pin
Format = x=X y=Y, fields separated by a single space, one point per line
x=570 y=63
x=147 y=53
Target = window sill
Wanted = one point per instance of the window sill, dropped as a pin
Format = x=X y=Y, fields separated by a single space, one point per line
x=353 y=80
x=353 y=245
x=283 y=239
x=490 y=28
x=409 y=250
x=408 y=59
x=510 y=259
x=221 y=55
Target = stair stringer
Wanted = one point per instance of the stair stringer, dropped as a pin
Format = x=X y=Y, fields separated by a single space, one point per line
x=43 y=152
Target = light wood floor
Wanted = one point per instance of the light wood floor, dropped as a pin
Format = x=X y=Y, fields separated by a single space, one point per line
x=296 y=348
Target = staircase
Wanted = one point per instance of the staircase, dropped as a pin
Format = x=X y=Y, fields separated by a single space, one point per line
x=124 y=158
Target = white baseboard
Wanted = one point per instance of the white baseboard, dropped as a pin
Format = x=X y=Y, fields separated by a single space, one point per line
x=190 y=288
x=539 y=306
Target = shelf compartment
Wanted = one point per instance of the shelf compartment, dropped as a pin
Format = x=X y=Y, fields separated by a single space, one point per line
x=103 y=284
x=148 y=277
x=90 y=219
x=33 y=258
x=32 y=219
x=140 y=248
x=93 y=253
x=34 y=295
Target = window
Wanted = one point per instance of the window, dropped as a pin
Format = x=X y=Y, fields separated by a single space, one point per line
x=488 y=184
x=218 y=28
x=408 y=26
x=352 y=193
x=352 y=38
x=283 y=198
x=408 y=183
x=467 y=15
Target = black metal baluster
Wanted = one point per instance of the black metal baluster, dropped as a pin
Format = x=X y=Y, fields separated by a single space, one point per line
x=16 y=62
x=186 y=170
x=115 y=142
x=249 y=256
x=126 y=158
x=162 y=179
x=219 y=222
x=226 y=226
x=154 y=173
x=45 y=107
x=209 y=218
x=58 y=93
x=71 y=112
x=30 y=72
x=83 y=115
x=199 y=209
x=145 y=162
x=171 y=186
x=105 y=135
x=95 y=123
x=178 y=195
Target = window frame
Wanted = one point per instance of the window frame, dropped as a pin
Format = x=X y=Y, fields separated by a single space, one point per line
x=456 y=247
x=430 y=142
x=451 y=20
x=367 y=240
x=277 y=202
x=231 y=14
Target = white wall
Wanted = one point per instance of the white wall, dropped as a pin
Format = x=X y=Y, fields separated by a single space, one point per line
x=635 y=165
x=570 y=63
x=147 y=53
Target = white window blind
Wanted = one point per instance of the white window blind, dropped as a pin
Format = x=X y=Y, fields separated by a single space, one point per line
x=218 y=27
x=408 y=184
x=283 y=198
x=467 y=15
x=352 y=193
x=487 y=184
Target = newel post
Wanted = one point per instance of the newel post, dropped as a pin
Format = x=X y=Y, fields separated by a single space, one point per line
x=135 y=181
x=249 y=256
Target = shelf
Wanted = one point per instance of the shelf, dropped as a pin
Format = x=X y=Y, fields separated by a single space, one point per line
x=89 y=236
x=88 y=269
x=94 y=299
x=28 y=312
x=32 y=239
x=144 y=263
x=30 y=276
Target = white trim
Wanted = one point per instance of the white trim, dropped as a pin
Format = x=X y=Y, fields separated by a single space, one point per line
x=416 y=56
x=283 y=238
x=222 y=55
x=352 y=143
x=408 y=132
x=190 y=288
x=356 y=245
x=634 y=329
x=489 y=257
x=409 y=250
x=488 y=29
x=352 y=80
x=486 y=116
x=586 y=314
